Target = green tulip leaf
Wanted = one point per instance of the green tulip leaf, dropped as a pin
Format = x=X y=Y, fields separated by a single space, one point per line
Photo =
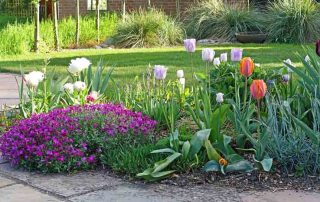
x=211 y=152
x=197 y=141
x=212 y=166
x=185 y=149
x=266 y=164
x=161 y=175
x=160 y=165
x=166 y=150
x=240 y=166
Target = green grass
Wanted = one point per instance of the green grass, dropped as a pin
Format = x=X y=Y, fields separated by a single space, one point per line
x=132 y=62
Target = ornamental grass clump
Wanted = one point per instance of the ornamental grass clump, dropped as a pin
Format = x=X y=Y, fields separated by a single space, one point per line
x=72 y=138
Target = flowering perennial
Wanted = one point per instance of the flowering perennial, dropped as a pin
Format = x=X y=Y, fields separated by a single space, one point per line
x=62 y=140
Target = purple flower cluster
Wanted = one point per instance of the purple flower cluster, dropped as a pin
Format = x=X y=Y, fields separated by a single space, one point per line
x=61 y=140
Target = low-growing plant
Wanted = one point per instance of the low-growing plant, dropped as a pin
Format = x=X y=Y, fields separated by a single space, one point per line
x=146 y=29
x=293 y=21
x=72 y=138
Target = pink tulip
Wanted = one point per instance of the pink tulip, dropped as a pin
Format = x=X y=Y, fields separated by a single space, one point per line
x=236 y=54
x=190 y=45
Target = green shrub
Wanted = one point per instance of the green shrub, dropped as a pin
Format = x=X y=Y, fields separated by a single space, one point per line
x=213 y=18
x=295 y=21
x=17 y=38
x=147 y=29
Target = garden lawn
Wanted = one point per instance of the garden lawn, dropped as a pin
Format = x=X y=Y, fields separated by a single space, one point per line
x=130 y=63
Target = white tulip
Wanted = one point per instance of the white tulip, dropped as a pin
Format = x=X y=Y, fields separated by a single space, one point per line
x=182 y=81
x=288 y=62
x=79 y=86
x=219 y=97
x=224 y=57
x=68 y=87
x=307 y=59
x=216 y=61
x=180 y=74
x=33 y=78
x=77 y=65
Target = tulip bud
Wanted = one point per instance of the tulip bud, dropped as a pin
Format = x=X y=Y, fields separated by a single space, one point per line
x=224 y=57
x=77 y=65
x=207 y=54
x=286 y=78
x=68 y=87
x=79 y=86
x=307 y=59
x=288 y=62
x=236 y=54
x=216 y=61
x=219 y=97
x=246 y=66
x=93 y=96
x=180 y=74
x=318 y=48
x=190 y=45
x=258 y=89
x=160 y=72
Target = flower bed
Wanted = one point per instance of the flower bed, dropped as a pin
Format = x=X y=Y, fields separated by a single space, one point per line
x=72 y=138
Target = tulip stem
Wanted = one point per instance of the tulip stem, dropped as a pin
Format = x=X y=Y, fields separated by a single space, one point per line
x=258 y=117
x=291 y=85
x=245 y=92
x=191 y=61
x=220 y=139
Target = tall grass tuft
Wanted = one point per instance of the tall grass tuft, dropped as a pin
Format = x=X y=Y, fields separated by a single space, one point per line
x=17 y=38
x=293 y=21
x=215 y=19
x=146 y=29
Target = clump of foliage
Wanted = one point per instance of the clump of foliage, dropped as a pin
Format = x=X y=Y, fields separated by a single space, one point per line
x=72 y=138
x=293 y=21
x=215 y=19
x=17 y=37
x=146 y=29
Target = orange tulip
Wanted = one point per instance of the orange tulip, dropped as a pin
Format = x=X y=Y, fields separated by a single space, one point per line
x=223 y=162
x=258 y=89
x=246 y=66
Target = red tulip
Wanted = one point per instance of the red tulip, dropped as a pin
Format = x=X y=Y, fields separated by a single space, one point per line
x=258 y=89
x=318 y=47
x=246 y=66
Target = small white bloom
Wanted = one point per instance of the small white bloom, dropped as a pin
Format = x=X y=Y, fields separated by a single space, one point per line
x=288 y=62
x=180 y=74
x=219 y=97
x=224 y=57
x=216 y=61
x=34 y=78
x=182 y=81
x=79 y=86
x=307 y=59
x=77 y=65
x=68 y=87
x=257 y=64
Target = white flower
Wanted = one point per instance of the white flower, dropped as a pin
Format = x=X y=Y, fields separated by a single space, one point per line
x=207 y=54
x=257 y=64
x=288 y=62
x=79 y=86
x=68 y=87
x=219 y=97
x=182 y=81
x=216 y=61
x=224 y=57
x=307 y=59
x=77 y=65
x=33 y=78
x=180 y=74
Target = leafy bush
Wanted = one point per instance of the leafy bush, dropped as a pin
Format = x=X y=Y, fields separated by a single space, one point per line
x=214 y=18
x=147 y=29
x=17 y=38
x=295 y=21
x=72 y=138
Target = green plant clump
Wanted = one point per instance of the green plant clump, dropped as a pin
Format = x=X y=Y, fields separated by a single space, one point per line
x=293 y=21
x=214 y=18
x=147 y=29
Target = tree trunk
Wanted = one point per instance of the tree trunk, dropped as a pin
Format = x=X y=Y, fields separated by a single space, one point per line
x=37 y=26
x=123 y=10
x=98 y=19
x=92 y=5
x=55 y=24
x=78 y=23
x=149 y=4
x=178 y=8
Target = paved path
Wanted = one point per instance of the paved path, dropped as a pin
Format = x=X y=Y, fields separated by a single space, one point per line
x=8 y=90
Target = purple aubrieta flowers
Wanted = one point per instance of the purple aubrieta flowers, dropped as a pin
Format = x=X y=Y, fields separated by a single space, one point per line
x=60 y=137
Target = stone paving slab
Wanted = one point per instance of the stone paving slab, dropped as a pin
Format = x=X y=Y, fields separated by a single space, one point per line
x=281 y=196
x=8 y=89
x=2 y=160
x=7 y=170
x=75 y=184
x=22 y=193
x=5 y=182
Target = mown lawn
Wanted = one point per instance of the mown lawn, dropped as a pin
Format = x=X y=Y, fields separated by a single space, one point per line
x=130 y=63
